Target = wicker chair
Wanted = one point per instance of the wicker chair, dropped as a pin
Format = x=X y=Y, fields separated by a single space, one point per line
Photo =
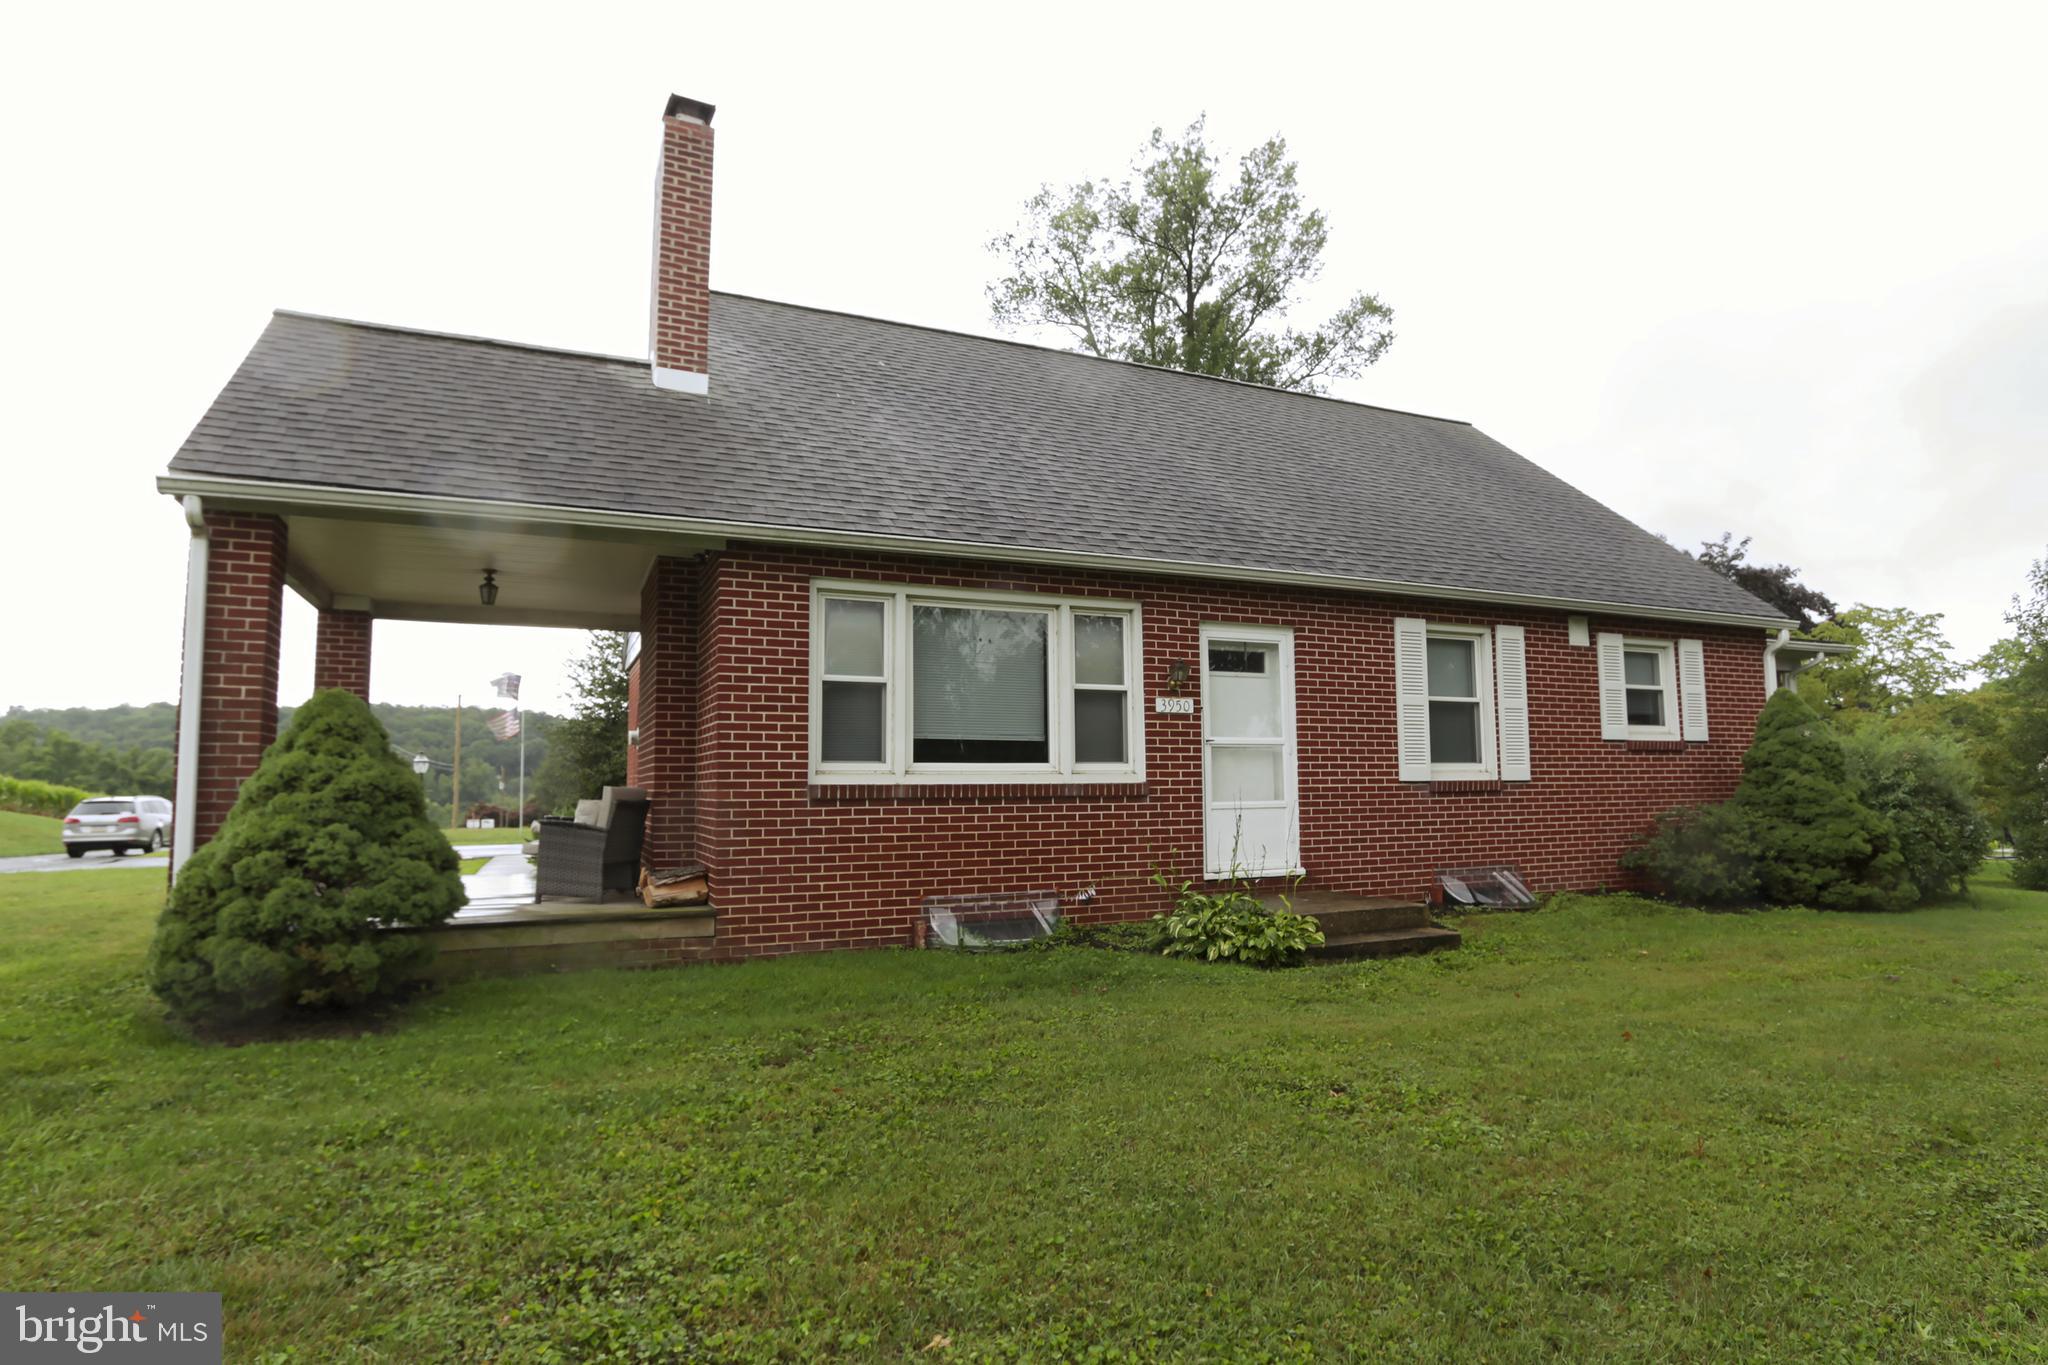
x=598 y=851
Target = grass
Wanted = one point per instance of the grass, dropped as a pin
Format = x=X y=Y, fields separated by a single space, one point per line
x=21 y=835
x=1608 y=1130
x=473 y=865
x=509 y=835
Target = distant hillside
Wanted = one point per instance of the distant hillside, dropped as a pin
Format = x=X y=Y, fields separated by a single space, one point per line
x=118 y=727
x=114 y=746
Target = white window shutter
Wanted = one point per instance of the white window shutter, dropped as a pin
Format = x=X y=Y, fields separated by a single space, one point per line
x=1613 y=689
x=1411 y=697
x=1692 y=690
x=1511 y=688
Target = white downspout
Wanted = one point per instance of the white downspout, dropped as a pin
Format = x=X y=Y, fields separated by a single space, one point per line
x=187 y=812
x=1771 y=662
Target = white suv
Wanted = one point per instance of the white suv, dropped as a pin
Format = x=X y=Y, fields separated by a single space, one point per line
x=117 y=824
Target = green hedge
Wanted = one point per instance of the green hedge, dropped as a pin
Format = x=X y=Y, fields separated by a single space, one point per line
x=39 y=798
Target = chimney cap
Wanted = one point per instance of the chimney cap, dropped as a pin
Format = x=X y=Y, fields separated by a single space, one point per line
x=681 y=106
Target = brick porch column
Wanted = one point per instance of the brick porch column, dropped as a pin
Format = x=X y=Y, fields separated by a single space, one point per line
x=667 y=710
x=238 y=687
x=341 y=652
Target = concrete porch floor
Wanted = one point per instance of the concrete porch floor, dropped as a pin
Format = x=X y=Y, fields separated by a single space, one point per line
x=503 y=931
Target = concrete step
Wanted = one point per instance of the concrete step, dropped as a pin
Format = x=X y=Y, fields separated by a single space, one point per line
x=1342 y=915
x=1371 y=919
x=1386 y=943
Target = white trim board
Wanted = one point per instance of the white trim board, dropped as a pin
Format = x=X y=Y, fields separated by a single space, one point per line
x=263 y=494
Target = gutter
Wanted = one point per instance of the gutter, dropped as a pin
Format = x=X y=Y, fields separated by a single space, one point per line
x=278 y=496
x=1814 y=650
x=183 y=819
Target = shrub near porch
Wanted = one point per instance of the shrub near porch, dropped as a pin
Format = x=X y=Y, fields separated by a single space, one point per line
x=1609 y=1130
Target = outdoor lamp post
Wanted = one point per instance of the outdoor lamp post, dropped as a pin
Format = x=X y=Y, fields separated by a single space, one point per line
x=419 y=765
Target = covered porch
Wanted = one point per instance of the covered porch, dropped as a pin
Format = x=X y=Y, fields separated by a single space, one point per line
x=357 y=559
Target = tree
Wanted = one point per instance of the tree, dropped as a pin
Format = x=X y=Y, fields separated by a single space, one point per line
x=1777 y=584
x=2028 y=615
x=587 y=750
x=1926 y=786
x=1187 y=266
x=2022 y=748
x=1816 y=843
x=1901 y=658
x=327 y=849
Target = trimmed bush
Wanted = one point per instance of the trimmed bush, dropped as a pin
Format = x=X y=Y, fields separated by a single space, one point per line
x=1700 y=855
x=1816 y=844
x=1925 y=785
x=327 y=842
x=39 y=798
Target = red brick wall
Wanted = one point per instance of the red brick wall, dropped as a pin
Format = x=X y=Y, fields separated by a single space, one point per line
x=238 y=702
x=667 y=669
x=682 y=249
x=795 y=868
x=341 y=652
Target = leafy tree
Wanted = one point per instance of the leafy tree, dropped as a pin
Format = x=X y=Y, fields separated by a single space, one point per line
x=327 y=847
x=35 y=752
x=1901 y=657
x=587 y=751
x=2003 y=661
x=1816 y=844
x=1925 y=785
x=2022 y=747
x=2028 y=615
x=1187 y=265
x=140 y=741
x=1777 y=584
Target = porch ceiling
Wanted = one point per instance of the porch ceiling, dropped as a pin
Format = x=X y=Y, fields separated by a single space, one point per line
x=429 y=571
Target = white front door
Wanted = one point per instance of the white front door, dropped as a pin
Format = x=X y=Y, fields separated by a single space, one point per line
x=1248 y=751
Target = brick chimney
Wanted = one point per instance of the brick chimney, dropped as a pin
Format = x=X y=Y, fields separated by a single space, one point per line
x=680 y=327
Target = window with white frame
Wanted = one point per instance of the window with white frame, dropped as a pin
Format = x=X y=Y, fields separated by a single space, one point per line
x=1650 y=682
x=958 y=686
x=1460 y=721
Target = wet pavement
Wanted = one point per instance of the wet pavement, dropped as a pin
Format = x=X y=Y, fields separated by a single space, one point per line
x=91 y=862
x=503 y=882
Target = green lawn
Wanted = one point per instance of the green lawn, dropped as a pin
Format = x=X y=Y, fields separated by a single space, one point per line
x=473 y=865
x=21 y=835
x=1609 y=1130
x=510 y=835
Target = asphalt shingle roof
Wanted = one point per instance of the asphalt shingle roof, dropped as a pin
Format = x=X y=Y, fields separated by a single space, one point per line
x=821 y=420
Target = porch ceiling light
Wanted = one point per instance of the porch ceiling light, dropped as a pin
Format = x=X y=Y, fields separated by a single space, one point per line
x=487 y=590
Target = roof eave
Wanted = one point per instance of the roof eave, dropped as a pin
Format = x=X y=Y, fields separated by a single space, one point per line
x=260 y=494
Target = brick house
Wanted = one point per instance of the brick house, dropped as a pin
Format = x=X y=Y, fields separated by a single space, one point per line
x=919 y=613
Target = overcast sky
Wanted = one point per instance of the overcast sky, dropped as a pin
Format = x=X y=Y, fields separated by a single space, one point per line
x=1781 y=270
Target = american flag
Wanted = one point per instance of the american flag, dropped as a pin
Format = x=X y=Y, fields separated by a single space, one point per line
x=504 y=725
x=507 y=685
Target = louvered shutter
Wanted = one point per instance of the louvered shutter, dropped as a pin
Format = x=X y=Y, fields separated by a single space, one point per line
x=1692 y=690
x=1411 y=697
x=1613 y=689
x=1511 y=689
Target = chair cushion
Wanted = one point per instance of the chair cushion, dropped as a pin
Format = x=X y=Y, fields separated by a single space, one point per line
x=612 y=796
x=587 y=813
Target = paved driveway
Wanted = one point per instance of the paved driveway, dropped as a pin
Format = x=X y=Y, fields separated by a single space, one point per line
x=91 y=862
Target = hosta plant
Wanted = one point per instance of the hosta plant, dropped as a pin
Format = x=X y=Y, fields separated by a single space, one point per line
x=1233 y=925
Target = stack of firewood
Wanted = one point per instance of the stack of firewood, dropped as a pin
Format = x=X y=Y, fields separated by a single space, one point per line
x=664 y=887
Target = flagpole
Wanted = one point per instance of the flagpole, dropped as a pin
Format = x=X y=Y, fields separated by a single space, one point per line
x=455 y=792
